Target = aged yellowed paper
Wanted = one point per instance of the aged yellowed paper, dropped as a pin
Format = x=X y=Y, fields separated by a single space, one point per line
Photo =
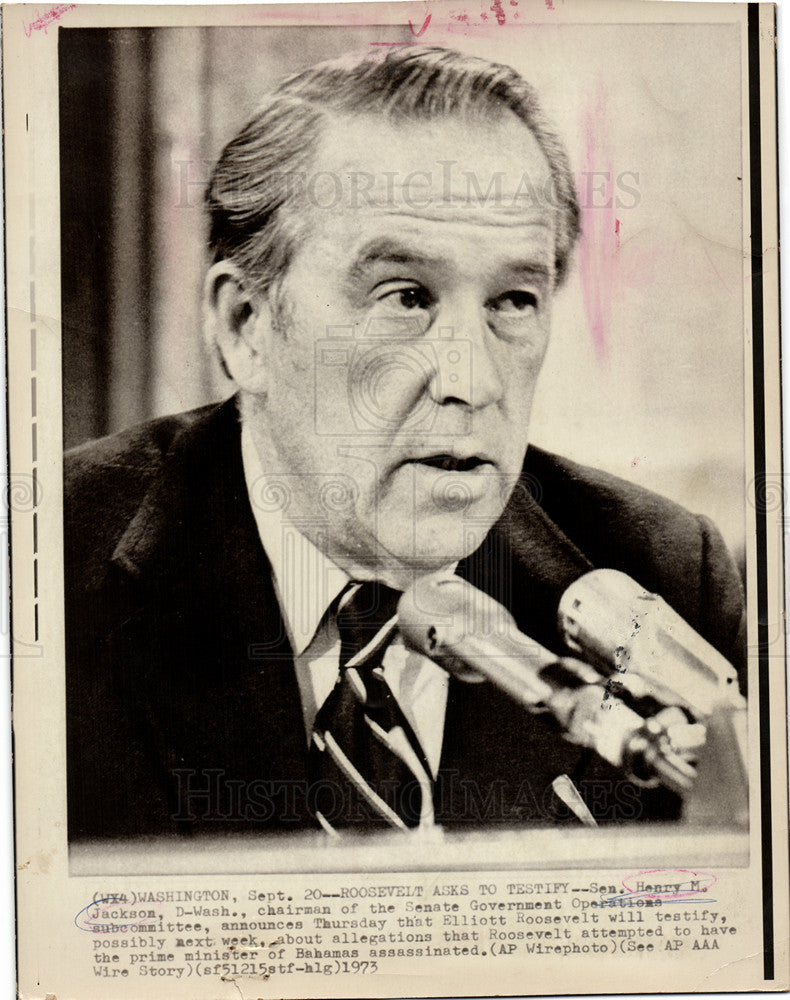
x=395 y=499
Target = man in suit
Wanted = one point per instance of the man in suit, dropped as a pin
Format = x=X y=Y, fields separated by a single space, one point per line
x=387 y=236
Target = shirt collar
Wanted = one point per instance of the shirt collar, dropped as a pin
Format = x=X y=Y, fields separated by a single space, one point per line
x=306 y=580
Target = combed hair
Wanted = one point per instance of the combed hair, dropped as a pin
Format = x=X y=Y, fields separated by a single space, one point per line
x=254 y=176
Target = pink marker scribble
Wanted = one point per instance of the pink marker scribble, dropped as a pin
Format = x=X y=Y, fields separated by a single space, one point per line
x=669 y=883
x=423 y=29
x=662 y=885
x=499 y=12
x=461 y=19
x=43 y=21
x=600 y=236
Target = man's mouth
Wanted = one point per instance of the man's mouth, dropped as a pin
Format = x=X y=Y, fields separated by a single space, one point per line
x=449 y=463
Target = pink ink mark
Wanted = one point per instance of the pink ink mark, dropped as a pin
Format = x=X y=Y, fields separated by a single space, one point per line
x=617 y=232
x=43 y=21
x=111 y=915
x=549 y=4
x=499 y=13
x=669 y=883
x=423 y=29
x=600 y=236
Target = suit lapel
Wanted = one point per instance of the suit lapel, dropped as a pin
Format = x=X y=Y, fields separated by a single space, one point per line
x=200 y=649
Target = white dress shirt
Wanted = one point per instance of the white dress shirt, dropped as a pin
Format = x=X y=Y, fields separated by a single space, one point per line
x=306 y=582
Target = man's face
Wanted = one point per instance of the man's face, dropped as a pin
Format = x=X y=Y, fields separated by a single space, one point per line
x=415 y=319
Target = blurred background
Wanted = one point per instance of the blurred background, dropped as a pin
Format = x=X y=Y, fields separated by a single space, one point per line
x=644 y=376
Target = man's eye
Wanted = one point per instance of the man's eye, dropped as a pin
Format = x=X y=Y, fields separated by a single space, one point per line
x=410 y=299
x=516 y=302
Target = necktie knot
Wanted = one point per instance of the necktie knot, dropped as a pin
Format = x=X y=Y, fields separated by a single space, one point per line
x=365 y=622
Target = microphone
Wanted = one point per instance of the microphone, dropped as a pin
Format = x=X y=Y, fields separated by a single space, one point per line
x=611 y=621
x=473 y=636
x=635 y=636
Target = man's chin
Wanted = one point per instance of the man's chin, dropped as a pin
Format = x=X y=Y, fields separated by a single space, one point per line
x=436 y=543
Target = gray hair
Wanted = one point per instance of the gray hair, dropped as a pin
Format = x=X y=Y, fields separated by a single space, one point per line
x=254 y=176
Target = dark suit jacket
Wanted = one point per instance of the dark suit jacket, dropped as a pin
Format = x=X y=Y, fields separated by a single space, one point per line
x=183 y=706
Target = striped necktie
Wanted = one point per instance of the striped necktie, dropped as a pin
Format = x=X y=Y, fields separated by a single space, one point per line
x=367 y=768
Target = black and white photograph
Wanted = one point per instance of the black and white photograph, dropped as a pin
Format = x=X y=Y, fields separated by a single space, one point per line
x=401 y=532
x=387 y=242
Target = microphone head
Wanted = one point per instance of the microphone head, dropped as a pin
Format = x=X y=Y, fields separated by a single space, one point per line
x=611 y=621
x=599 y=613
x=439 y=613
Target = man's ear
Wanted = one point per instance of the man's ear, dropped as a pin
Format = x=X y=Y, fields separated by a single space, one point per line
x=238 y=321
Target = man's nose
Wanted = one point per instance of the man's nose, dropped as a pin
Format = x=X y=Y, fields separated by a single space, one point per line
x=465 y=368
